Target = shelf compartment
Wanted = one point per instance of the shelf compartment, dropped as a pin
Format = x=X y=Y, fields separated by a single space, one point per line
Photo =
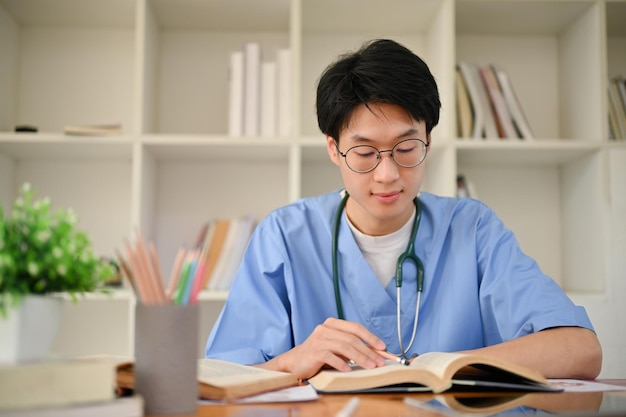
x=540 y=45
x=185 y=63
x=88 y=56
x=547 y=194
x=191 y=180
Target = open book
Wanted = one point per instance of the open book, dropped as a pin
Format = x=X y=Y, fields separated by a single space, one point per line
x=221 y=380
x=436 y=372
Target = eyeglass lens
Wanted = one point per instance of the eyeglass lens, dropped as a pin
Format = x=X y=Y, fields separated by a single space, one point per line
x=407 y=154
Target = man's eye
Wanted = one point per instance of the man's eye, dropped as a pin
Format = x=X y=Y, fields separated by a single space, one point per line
x=406 y=149
x=366 y=153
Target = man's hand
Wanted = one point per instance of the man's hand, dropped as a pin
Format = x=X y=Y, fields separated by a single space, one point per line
x=333 y=344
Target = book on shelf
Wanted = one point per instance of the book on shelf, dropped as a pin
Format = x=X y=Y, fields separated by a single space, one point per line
x=252 y=88
x=235 y=95
x=435 y=372
x=222 y=380
x=284 y=89
x=235 y=242
x=518 y=117
x=467 y=72
x=506 y=130
x=130 y=406
x=617 y=108
x=51 y=383
x=213 y=248
x=484 y=119
x=495 y=108
x=93 y=130
x=464 y=187
x=464 y=111
x=268 y=99
x=259 y=91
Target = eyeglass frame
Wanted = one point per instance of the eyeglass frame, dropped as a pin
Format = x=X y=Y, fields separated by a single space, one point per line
x=379 y=158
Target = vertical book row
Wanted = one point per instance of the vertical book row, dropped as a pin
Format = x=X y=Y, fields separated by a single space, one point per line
x=259 y=102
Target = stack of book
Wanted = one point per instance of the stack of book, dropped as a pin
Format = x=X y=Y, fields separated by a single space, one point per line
x=487 y=106
x=259 y=93
x=617 y=108
x=70 y=387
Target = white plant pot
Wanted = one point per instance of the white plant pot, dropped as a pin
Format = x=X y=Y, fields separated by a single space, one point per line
x=29 y=330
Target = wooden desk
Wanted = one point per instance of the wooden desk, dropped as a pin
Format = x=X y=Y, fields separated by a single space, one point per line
x=381 y=405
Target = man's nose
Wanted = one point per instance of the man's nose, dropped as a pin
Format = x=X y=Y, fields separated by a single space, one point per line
x=387 y=169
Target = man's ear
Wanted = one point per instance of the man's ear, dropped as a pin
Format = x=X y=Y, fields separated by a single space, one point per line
x=332 y=150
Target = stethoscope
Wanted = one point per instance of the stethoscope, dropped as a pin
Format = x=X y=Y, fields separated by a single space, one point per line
x=408 y=254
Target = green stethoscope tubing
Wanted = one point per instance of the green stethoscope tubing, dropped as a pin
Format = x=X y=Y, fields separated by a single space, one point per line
x=408 y=254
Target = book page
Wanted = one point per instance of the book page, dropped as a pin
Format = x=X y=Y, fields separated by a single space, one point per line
x=436 y=362
x=222 y=373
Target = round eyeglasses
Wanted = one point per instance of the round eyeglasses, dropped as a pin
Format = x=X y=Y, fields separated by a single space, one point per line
x=408 y=153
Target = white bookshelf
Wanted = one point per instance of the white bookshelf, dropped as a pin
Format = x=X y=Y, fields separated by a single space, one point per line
x=160 y=67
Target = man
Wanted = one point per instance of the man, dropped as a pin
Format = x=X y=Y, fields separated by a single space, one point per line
x=316 y=285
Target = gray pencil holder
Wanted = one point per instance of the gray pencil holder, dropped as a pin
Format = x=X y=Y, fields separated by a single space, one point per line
x=166 y=357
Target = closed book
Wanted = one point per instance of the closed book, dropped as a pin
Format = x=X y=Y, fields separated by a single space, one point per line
x=215 y=242
x=223 y=380
x=478 y=118
x=252 y=89
x=506 y=129
x=232 y=257
x=268 y=99
x=56 y=383
x=235 y=95
x=463 y=107
x=518 y=116
x=618 y=109
x=490 y=127
x=285 y=91
x=93 y=130
x=218 y=276
x=131 y=406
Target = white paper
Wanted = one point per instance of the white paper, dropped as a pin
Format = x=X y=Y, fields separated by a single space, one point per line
x=579 y=385
x=286 y=395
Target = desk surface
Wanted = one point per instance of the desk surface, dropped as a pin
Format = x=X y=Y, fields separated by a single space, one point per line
x=381 y=405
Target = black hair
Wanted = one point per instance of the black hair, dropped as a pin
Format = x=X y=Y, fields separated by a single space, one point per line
x=381 y=71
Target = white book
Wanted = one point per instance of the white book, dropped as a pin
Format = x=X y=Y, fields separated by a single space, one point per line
x=55 y=383
x=235 y=95
x=120 y=407
x=285 y=80
x=268 y=99
x=478 y=128
x=514 y=106
x=252 y=88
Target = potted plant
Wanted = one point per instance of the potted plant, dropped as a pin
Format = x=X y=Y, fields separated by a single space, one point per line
x=42 y=253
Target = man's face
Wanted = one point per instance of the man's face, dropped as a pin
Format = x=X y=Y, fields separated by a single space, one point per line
x=381 y=201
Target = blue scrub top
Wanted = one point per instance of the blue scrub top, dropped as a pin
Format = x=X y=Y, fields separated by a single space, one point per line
x=479 y=288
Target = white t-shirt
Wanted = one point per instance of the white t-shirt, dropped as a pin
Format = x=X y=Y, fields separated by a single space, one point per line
x=382 y=252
